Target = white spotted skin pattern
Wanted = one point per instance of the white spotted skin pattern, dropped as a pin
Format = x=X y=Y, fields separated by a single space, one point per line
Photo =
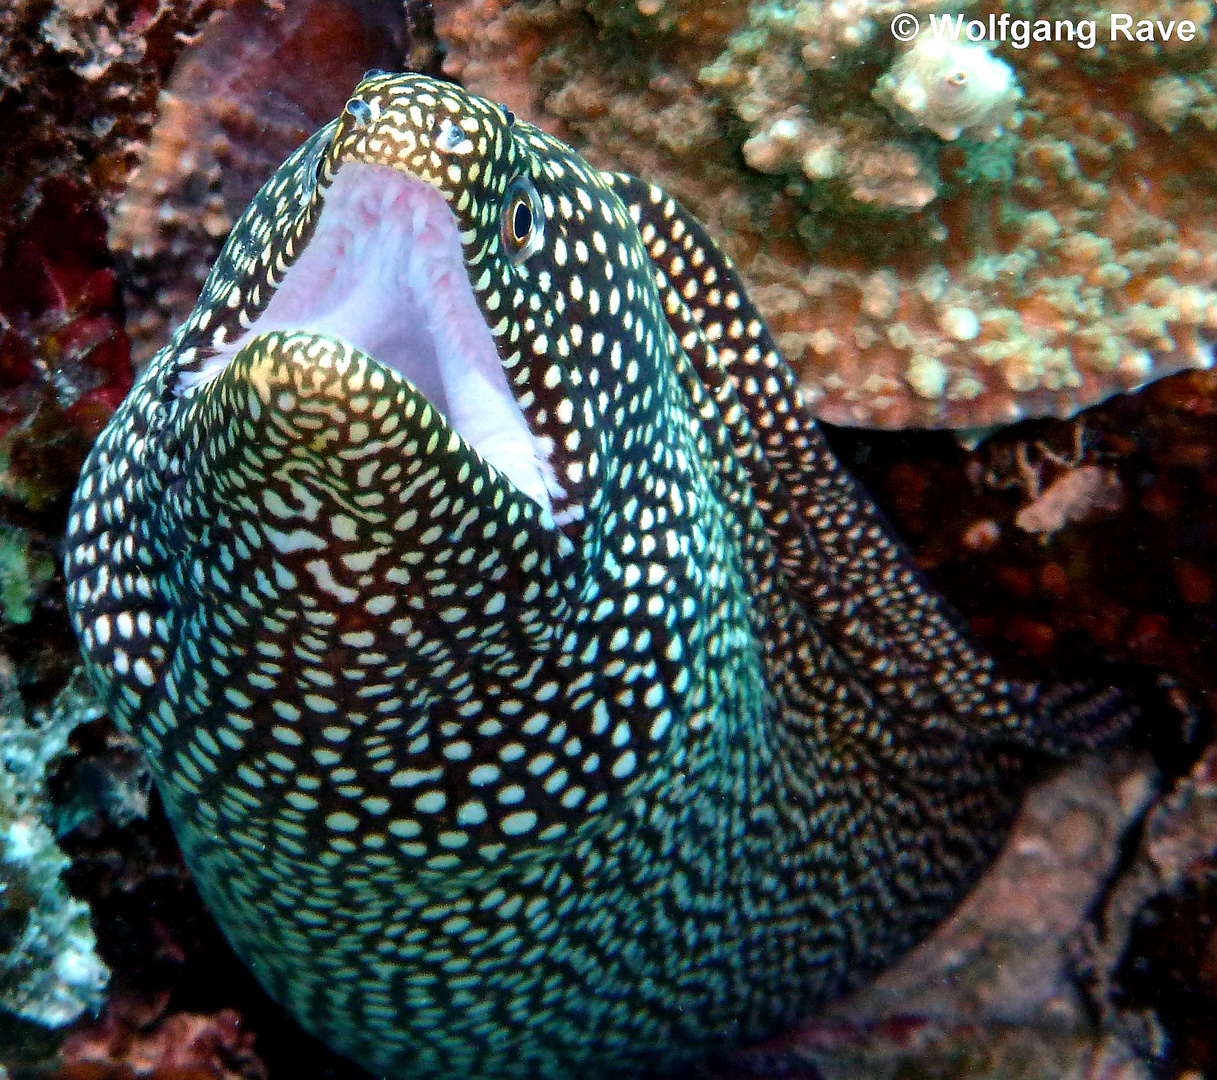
x=478 y=796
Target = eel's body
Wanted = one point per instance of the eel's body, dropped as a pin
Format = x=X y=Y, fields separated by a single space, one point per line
x=532 y=693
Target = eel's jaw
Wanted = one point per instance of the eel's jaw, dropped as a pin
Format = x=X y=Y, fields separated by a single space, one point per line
x=385 y=273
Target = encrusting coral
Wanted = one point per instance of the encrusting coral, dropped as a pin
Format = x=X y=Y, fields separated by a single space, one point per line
x=49 y=970
x=1045 y=255
x=257 y=81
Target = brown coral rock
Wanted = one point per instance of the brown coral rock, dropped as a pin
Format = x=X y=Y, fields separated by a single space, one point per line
x=914 y=283
x=179 y=1046
x=259 y=79
x=1095 y=274
x=78 y=85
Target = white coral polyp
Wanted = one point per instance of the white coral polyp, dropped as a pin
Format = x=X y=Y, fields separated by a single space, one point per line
x=951 y=88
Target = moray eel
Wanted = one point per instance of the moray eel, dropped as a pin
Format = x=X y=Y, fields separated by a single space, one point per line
x=531 y=691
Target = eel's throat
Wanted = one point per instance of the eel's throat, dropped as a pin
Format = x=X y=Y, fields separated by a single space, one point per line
x=384 y=272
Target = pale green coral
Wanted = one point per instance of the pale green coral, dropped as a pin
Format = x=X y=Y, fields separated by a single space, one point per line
x=49 y=969
x=24 y=573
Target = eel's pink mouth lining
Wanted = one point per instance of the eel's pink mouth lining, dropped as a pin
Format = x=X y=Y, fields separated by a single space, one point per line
x=384 y=272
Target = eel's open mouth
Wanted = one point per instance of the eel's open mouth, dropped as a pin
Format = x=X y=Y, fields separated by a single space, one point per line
x=384 y=272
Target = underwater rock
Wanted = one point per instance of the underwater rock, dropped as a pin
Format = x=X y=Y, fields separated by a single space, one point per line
x=1152 y=957
x=257 y=80
x=146 y=1043
x=913 y=282
x=49 y=970
x=994 y=992
x=64 y=355
x=78 y=84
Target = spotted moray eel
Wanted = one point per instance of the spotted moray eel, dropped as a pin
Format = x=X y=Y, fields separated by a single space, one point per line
x=531 y=691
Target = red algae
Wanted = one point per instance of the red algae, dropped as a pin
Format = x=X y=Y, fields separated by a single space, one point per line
x=64 y=354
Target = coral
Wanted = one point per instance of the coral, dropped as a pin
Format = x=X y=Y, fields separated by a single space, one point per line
x=884 y=174
x=64 y=356
x=1092 y=274
x=1076 y=272
x=78 y=85
x=914 y=281
x=794 y=77
x=49 y=971
x=24 y=574
x=148 y=1043
x=1073 y=496
x=952 y=88
x=258 y=80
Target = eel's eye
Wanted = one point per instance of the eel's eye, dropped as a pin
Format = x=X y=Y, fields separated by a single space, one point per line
x=522 y=227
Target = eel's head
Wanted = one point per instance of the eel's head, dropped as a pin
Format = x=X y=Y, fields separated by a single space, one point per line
x=421 y=432
x=432 y=236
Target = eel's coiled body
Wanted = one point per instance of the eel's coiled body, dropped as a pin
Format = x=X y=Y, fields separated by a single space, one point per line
x=532 y=693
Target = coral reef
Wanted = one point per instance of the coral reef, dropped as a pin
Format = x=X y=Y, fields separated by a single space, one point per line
x=78 y=86
x=147 y=1043
x=258 y=80
x=916 y=281
x=49 y=970
x=64 y=355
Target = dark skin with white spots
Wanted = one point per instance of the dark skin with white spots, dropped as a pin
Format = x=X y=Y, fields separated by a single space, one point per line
x=485 y=788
